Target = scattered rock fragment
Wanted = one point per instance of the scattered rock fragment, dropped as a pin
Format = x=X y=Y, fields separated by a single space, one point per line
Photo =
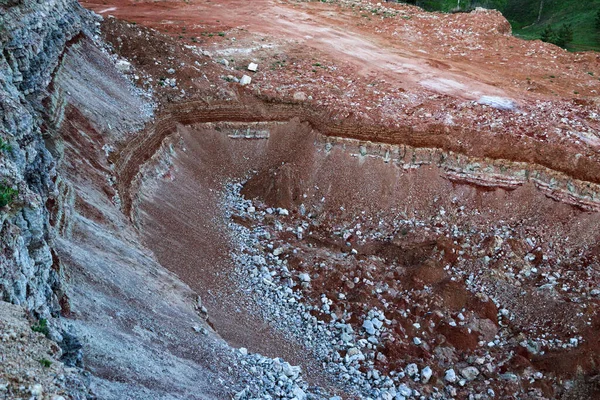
x=246 y=80
x=404 y=390
x=123 y=66
x=501 y=103
x=300 y=96
x=426 y=374
x=450 y=376
x=369 y=328
x=412 y=370
x=469 y=373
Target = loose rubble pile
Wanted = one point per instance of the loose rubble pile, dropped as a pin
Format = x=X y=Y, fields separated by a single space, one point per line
x=440 y=323
x=274 y=378
x=271 y=282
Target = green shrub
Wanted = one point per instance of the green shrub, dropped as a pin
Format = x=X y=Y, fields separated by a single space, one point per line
x=5 y=146
x=41 y=327
x=7 y=195
x=565 y=35
x=562 y=38
x=45 y=363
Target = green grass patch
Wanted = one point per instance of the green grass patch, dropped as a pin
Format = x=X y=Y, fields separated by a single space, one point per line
x=527 y=21
x=581 y=17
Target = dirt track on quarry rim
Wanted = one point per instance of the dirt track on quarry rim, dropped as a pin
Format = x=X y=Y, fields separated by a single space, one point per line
x=321 y=29
x=403 y=88
x=409 y=58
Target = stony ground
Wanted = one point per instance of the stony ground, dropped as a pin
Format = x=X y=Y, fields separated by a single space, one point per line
x=30 y=366
x=400 y=306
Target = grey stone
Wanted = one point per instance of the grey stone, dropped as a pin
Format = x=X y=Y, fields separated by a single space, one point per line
x=123 y=65
x=469 y=373
x=368 y=326
x=299 y=393
x=404 y=390
x=377 y=323
x=426 y=374
x=450 y=376
x=412 y=370
x=246 y=80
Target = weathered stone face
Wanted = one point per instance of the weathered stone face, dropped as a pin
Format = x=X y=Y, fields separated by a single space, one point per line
x=33 y=37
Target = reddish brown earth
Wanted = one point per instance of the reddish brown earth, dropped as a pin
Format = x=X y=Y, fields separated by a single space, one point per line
x=437 y=246
x=386 y=89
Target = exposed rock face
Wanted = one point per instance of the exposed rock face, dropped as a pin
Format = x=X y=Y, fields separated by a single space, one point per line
x=63 y=108
x=32 y=38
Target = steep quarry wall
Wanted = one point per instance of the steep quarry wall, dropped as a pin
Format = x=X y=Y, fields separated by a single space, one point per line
x=33 y=36
x=67 y=254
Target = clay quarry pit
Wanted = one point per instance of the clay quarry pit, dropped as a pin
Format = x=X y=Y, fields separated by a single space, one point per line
x=371 y=250
x=396 y=205
x=285 y=231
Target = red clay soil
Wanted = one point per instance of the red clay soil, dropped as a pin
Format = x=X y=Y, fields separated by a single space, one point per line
x=411 y=270
x=420 y=242
x=379 y=85
x=463 y=55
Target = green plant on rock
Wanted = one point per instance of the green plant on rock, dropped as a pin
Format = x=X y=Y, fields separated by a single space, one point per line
x=4 y=146
x=7 y=195
x=42 y=327
x=45 y=363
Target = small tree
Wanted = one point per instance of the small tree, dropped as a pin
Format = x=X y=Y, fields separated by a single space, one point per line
x=598 y=20
x=548 y=35
x=565 y=35
x=562 y=38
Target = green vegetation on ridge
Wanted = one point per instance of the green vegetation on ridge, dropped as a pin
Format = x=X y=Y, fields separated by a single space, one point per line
x=531 y=18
